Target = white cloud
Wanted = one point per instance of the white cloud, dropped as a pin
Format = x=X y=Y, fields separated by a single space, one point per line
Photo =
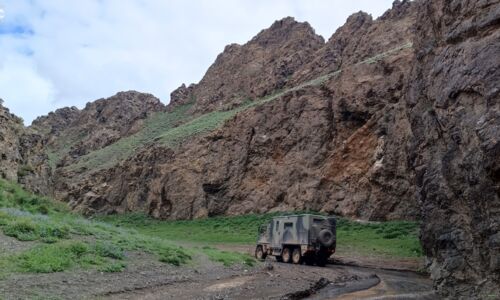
x=84 y=50
x=31 y=92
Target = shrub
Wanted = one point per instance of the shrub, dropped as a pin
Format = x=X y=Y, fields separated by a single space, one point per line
x=106 y=249
x=30 y=230
x=113 y=267
x=51 y=258
x=23 y=230
x=174 y=256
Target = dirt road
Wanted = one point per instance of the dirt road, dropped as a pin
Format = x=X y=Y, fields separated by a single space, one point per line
x=274 y=280
x=145 y=278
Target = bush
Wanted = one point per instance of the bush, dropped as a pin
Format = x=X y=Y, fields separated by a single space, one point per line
x=174 y=256
x=113 y=267
x=30 y=230
x=23 y=230
x=105 y=249
x=51 y=258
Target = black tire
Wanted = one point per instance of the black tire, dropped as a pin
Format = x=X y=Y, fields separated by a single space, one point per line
x=286 y=255
x=279 y=258
x=326 y=237
x=296 y=256
x=259 y=253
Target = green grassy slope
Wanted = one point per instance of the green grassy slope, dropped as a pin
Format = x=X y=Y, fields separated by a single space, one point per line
x=54 y=239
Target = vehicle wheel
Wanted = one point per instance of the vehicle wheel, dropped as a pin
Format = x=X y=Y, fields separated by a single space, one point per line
x=259 y=253
x=279 y=258
x=296 y=257
x=287 y=255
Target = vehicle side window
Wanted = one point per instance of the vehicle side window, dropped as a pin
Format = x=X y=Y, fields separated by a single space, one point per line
x=317 y=221
x=288 y=225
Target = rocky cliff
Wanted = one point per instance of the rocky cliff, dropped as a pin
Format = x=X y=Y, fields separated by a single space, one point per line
x=255 y=69
x=10 y=128
x=393 y=118
x=453 y=107
x=334 y=146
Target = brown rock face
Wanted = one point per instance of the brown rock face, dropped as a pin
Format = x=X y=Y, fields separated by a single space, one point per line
x=10 y=128
x=102 y=122
x=56 y=122
x=454 y=112
x=105 y=121
x=338 y=147
x=22 y=156
x=361 y=38
x=260 y=67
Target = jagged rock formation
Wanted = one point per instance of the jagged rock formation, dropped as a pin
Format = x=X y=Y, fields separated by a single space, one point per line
x=22 y=156
x=56 y=122
x=394 y=118
x=71 y=133
x=454 y=111
x=10 y=128
x=258 y=68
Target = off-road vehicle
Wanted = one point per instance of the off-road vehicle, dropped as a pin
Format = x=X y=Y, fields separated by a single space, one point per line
x=298 y=238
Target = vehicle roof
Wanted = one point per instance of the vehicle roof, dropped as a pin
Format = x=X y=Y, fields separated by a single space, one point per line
x=303 y=215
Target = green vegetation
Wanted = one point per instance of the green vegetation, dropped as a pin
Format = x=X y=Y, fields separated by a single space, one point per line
x=57 y=257
x=228 y=258
x=26 y=229
x=390 y=239
x=387 y=239
x=62 y=240
x=108 y=156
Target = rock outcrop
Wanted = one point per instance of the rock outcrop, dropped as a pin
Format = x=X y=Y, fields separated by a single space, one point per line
x=454 y=112
x=70 y=133
x=22 y=156
x=255 y=69
x=10 y=129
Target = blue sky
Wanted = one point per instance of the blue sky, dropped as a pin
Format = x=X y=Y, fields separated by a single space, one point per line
x=57 y=53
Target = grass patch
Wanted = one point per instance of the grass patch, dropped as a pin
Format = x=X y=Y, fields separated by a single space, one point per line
x=13 y=196
x=174 y=256
x=228 y=258
x=236 y=230
x=25 y=229
x=387 y=239
x=60 y=257
x=63 y=240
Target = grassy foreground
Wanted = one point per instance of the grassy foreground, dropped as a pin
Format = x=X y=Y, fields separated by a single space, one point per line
x=386 y=239
x=52 y=239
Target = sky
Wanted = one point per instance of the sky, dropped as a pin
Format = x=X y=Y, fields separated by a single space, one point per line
x=56 y=53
